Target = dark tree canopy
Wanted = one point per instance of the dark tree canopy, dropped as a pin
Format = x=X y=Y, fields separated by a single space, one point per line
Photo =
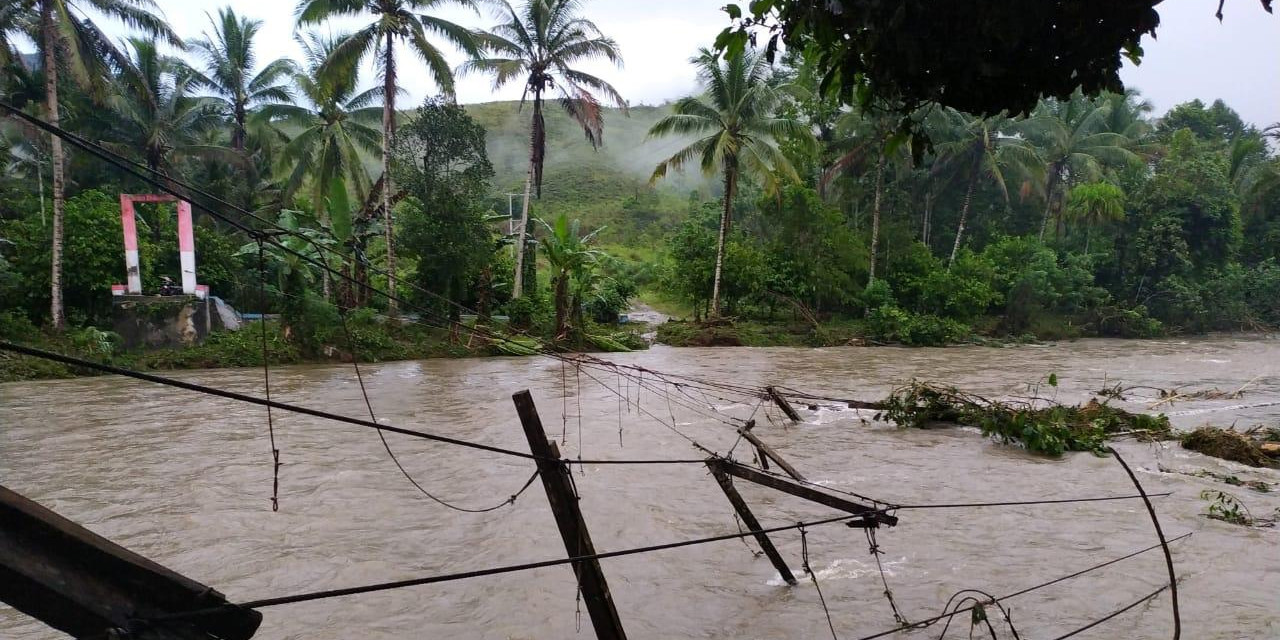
x=979 y=56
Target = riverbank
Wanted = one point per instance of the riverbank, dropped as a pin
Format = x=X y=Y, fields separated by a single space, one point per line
x=375 y=339
x=372 y=339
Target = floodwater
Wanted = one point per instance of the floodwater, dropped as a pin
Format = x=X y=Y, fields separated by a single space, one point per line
x=186 y=480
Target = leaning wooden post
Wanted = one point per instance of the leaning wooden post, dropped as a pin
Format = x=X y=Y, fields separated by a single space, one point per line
x=573 y=529
x=783 y=404
x=767 y=452
x=749 y=519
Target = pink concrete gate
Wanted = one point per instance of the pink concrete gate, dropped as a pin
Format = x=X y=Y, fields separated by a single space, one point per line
x=186 y=245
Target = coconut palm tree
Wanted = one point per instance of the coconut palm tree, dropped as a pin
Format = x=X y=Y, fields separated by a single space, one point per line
x=68 y=37
x=1074 y=144
x=15 y=20
x=1093 y=204
x=394 y=22
x=324 y=155
x=975 y=147
x=336 y=125
x=153 y=111
x=538 y=45
x=736 y=120
x=861 y=136
x=229 y=63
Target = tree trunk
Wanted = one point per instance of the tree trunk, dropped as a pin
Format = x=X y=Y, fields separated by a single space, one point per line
x=730 y=183
x=238 y=135
x=517 y=286
x=49 y=36
x=562 y=305
x=535 y=124
x=1048 y=199
x=388 y=135
x=964 y=211
x=875 y=214
x=926 y=230
x=484 y=291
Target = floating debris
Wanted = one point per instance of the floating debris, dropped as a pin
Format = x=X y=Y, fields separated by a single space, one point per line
x=1228 y=508
x=1050 y=430
x=1229 y=444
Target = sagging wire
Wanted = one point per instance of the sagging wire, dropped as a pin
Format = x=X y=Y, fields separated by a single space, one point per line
x=873 y=547
x=386 y=445
x=266 y=375
x=804 y=558
x=738 y=522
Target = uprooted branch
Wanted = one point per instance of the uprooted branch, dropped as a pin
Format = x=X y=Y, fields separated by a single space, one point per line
x=1050 y=430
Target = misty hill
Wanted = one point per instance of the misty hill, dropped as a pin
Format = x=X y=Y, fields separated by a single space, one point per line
x=604 y=187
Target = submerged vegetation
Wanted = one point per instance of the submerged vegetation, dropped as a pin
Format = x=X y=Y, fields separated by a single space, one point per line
x=1228 y=444
x=1046 y=428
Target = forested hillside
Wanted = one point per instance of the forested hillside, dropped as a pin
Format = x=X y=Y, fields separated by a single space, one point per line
x=605 y=186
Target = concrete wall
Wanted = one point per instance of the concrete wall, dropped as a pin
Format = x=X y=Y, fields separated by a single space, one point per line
x=162 y=321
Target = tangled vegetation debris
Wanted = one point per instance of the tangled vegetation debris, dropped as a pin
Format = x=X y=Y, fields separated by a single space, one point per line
x=1236 y=481
x=1228 y=508
x=1049 y=430
x=1250 y=447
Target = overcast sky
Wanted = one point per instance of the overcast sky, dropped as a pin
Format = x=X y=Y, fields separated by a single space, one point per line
x=1195 y=56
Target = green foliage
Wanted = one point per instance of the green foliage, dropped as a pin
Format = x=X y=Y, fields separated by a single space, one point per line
x=891 y=324
x=1048 y=430
x=440 y=159
x=93 y=252
x=916 y=52
x=1032 y=281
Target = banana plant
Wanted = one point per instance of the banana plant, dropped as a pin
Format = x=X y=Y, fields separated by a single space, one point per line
x=571 y=259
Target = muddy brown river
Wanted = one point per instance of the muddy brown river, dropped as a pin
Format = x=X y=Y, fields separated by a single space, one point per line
x=186 y=480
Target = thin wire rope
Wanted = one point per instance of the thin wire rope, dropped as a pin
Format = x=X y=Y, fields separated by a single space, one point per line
x=804 y=559
x=266 y=377
x=368 y=403
x=1021 y=592
x=1113 y=614
x=450 y=577
x=873 y=548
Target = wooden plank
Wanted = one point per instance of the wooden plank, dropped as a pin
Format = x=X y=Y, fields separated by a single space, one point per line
x=767 y=453
x=801 y=491
x=749 y=519
x=573 y=528
x=783 y=404
x=82 y=584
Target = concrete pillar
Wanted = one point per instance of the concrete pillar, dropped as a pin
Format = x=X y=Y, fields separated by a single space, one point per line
x=130 y=245
x=186 y=248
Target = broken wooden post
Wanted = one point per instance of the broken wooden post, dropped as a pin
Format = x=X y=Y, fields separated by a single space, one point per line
x=764 y=460
x=767 y=452
x=749 y=519
x=783 y=404
x=82 y=584
x=573 y=528
x=801 y=491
